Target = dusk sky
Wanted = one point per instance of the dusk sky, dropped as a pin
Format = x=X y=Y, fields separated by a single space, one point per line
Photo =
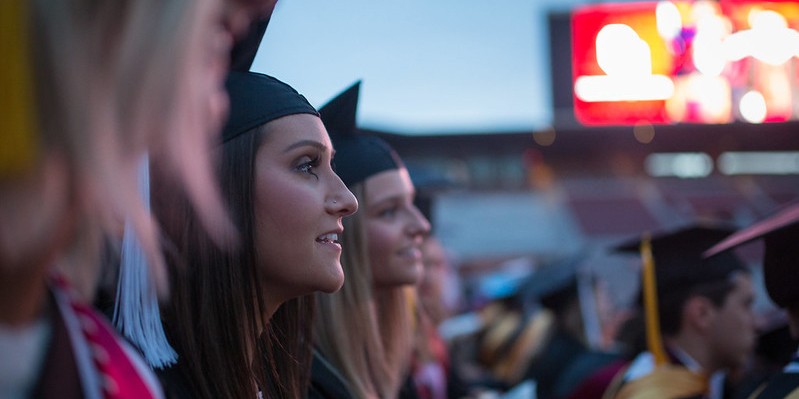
x=428 y=66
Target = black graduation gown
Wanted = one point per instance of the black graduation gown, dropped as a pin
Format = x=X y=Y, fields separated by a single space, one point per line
x=59 y=376
x=326 y=381
x=176 y=385
x=582 y=368
x=783 y=385
x=408 y=390
x=548 y=367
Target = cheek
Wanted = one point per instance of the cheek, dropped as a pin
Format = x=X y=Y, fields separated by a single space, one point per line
x=382 y=241
x=746 y=317
x=281 y=208
x=743 y=322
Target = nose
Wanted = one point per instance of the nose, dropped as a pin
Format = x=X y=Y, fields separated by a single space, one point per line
x=240 y=15
x=236 y=19
x=342 y=201
x=418 y=224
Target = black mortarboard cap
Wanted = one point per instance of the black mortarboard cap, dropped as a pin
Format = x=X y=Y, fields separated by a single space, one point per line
x=243 y=53
x=780 y=233
x=555 y=284
x=357 y=156
x=256 y=99
x=677 y=255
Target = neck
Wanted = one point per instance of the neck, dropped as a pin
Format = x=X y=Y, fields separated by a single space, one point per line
x=268 y=313
x=270 y=307
x=697 y=351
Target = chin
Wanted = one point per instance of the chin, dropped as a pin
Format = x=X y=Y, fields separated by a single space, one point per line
x=334 y=284
x=409 y=280
x=331 y=288
x=418 y=273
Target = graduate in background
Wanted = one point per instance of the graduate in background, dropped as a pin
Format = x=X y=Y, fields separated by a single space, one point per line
x=699 y=319
x=780 y=261
x=364 y=333
x=430 y=361
x=566 y=291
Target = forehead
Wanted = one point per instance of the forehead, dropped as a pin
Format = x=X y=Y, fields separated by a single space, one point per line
x=743 y=284
x=388 y=184
x=291 y=128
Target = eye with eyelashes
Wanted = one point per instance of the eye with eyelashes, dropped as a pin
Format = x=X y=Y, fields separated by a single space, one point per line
x=388 y=212
x=310 y=165
x=391 y=208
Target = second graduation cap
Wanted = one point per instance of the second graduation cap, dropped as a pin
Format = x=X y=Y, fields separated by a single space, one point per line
x=780 y=234
x=554 y=285
x=357 y=156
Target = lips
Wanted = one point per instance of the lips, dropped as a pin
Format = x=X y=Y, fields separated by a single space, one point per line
x=328 y=238
x=412 y=253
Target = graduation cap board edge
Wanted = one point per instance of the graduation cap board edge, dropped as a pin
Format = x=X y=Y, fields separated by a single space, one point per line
x=243 y=53
x=358 y=156
x=780 y=233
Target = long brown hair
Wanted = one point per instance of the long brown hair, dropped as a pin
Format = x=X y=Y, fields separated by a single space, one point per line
x=365 y=333
x=215 y=316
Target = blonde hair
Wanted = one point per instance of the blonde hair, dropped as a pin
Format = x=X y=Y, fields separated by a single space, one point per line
x=108 y=87
x=367 y=334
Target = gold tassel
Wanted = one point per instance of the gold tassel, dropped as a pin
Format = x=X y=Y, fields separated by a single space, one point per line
x=653 y=338
x=18 y=125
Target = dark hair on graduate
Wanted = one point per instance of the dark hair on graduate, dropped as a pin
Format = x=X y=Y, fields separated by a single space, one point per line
x=670 y=306
x=214 y=318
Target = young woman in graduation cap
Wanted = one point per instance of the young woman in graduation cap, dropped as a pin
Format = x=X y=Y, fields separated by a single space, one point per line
x=364 y=333
x=239 y=318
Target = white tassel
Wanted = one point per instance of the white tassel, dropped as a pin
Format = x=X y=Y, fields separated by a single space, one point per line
x=588 y=308
x=136 y=312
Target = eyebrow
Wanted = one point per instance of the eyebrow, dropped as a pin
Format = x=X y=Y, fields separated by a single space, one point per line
x=303 y=143
x=390 y=199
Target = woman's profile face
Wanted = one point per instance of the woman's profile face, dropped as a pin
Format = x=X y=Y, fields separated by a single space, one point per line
x=395 y=229
x=299 y=206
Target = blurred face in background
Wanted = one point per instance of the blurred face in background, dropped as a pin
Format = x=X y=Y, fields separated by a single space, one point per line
x=395 y=229
x=435 y=269
x=733 y=325
x=435 y=276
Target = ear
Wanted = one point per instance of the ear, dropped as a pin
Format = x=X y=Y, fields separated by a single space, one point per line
x=698 y=313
